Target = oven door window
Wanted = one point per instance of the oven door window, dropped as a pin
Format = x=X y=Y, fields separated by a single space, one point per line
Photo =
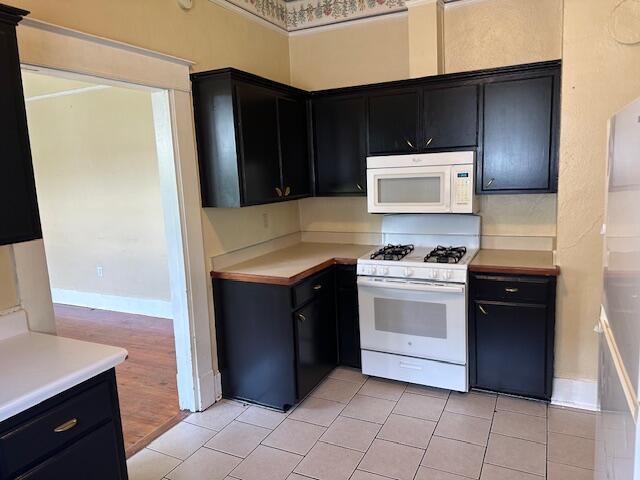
x=407 y=190
x=421 y=319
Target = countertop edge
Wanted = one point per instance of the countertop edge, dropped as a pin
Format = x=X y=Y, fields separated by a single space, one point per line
x=285 y=281
x=543 y=271
x=39 y=395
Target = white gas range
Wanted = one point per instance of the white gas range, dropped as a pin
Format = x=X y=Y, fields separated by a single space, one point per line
x=412 y=297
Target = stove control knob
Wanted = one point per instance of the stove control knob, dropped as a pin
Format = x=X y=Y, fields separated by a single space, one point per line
x=433 y=273
x=371 y=271
x=384 y=270
x=408 y=272
x=446 y=274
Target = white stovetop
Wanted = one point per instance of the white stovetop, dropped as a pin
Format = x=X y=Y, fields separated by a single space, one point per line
x=37 y=366
x=417 y=258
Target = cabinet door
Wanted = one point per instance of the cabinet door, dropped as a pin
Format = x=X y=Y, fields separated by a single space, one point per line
x=450 y=117
x=260 y=157
x=19 y=213
x=292 y=115
x=340 y=149
x=519 y=136
x=394 y=122
x=317 y=352
x=347 y=315
x=94 y=457
x=511 y=348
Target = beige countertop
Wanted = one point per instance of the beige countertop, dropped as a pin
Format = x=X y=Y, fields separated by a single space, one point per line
x=522 y=262
x=292 y=264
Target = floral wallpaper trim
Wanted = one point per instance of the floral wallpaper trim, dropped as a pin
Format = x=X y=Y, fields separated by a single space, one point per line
x=300 y=14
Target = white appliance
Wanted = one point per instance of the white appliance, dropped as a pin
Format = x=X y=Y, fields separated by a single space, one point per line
x=422 y=183
x=413 y=309
x=617 y=426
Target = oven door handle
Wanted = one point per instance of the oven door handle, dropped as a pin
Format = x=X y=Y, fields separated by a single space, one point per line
x=415 y=286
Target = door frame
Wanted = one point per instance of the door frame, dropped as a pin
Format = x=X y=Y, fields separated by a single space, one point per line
x=48 y=47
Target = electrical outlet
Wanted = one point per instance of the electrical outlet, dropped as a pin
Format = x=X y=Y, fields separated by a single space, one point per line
x=99 y=271
x=265 y=220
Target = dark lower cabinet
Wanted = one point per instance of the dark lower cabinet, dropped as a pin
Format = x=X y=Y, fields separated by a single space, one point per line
x=77 y=435
x=511 y=334
x=19 y=215
x=275 y=342
x=316 y=348
x=348 y=316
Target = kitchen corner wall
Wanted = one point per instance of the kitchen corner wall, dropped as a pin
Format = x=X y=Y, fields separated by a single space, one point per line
x=477 y=34
x=8 y=294
x=600 y=77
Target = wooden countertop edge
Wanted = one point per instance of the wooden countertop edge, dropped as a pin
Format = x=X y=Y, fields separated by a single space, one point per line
x=548 y=272
x=287 y=281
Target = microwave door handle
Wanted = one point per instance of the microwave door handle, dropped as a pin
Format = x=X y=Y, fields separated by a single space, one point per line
x=415 y=286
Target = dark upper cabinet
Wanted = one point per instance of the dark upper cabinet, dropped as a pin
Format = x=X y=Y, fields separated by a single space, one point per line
x=252 y=139
x=294 y=152
x=520 y=134
x=19 y=215
x=394 y=121
x=339 y=126
x=450 y=117
x=257 y=113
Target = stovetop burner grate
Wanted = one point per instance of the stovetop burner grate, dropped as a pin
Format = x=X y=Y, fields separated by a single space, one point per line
x=442 y=254
x=392 y=252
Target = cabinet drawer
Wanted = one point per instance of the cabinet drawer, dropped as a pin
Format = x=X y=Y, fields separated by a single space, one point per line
x=313 y=287
x=511 y=289
x=55 y=428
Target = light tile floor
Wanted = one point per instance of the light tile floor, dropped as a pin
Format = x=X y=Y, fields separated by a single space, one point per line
x=359 y=428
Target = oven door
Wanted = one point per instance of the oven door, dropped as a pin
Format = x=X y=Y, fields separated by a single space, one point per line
x=409 y=189
x=414 y=318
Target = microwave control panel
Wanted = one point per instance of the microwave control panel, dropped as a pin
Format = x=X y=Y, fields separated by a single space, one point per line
x=463 y=187
x=462 y=183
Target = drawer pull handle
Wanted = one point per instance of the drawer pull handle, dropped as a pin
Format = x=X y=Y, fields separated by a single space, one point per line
x=301 y=317
x=359 y=187
x=279 y=191
x=484 y=312
x=410 y=366
x=511 y=290
x=429 y=141
x=317 y=287
x=68 y=425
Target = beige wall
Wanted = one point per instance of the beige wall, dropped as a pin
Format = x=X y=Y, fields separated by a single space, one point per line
x=208 y=34
x=350 y=54
x=492 y=33
x=98 y=188
x=8 y=296
x=600 y=76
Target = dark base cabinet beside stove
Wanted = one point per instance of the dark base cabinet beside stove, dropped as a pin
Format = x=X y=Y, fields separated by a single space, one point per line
x=75 y=435
x=511 y=333
x=275 y=342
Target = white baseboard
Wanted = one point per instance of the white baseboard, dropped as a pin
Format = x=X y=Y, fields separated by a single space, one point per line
x=575 y=393
x=114 y=303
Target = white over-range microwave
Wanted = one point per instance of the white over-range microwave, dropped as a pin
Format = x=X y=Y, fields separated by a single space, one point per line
x=422 y=183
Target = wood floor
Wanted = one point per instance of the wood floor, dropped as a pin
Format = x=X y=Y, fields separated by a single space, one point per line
x=146 y=380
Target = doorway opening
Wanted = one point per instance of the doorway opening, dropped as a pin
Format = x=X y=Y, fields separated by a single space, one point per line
x=107 y=200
